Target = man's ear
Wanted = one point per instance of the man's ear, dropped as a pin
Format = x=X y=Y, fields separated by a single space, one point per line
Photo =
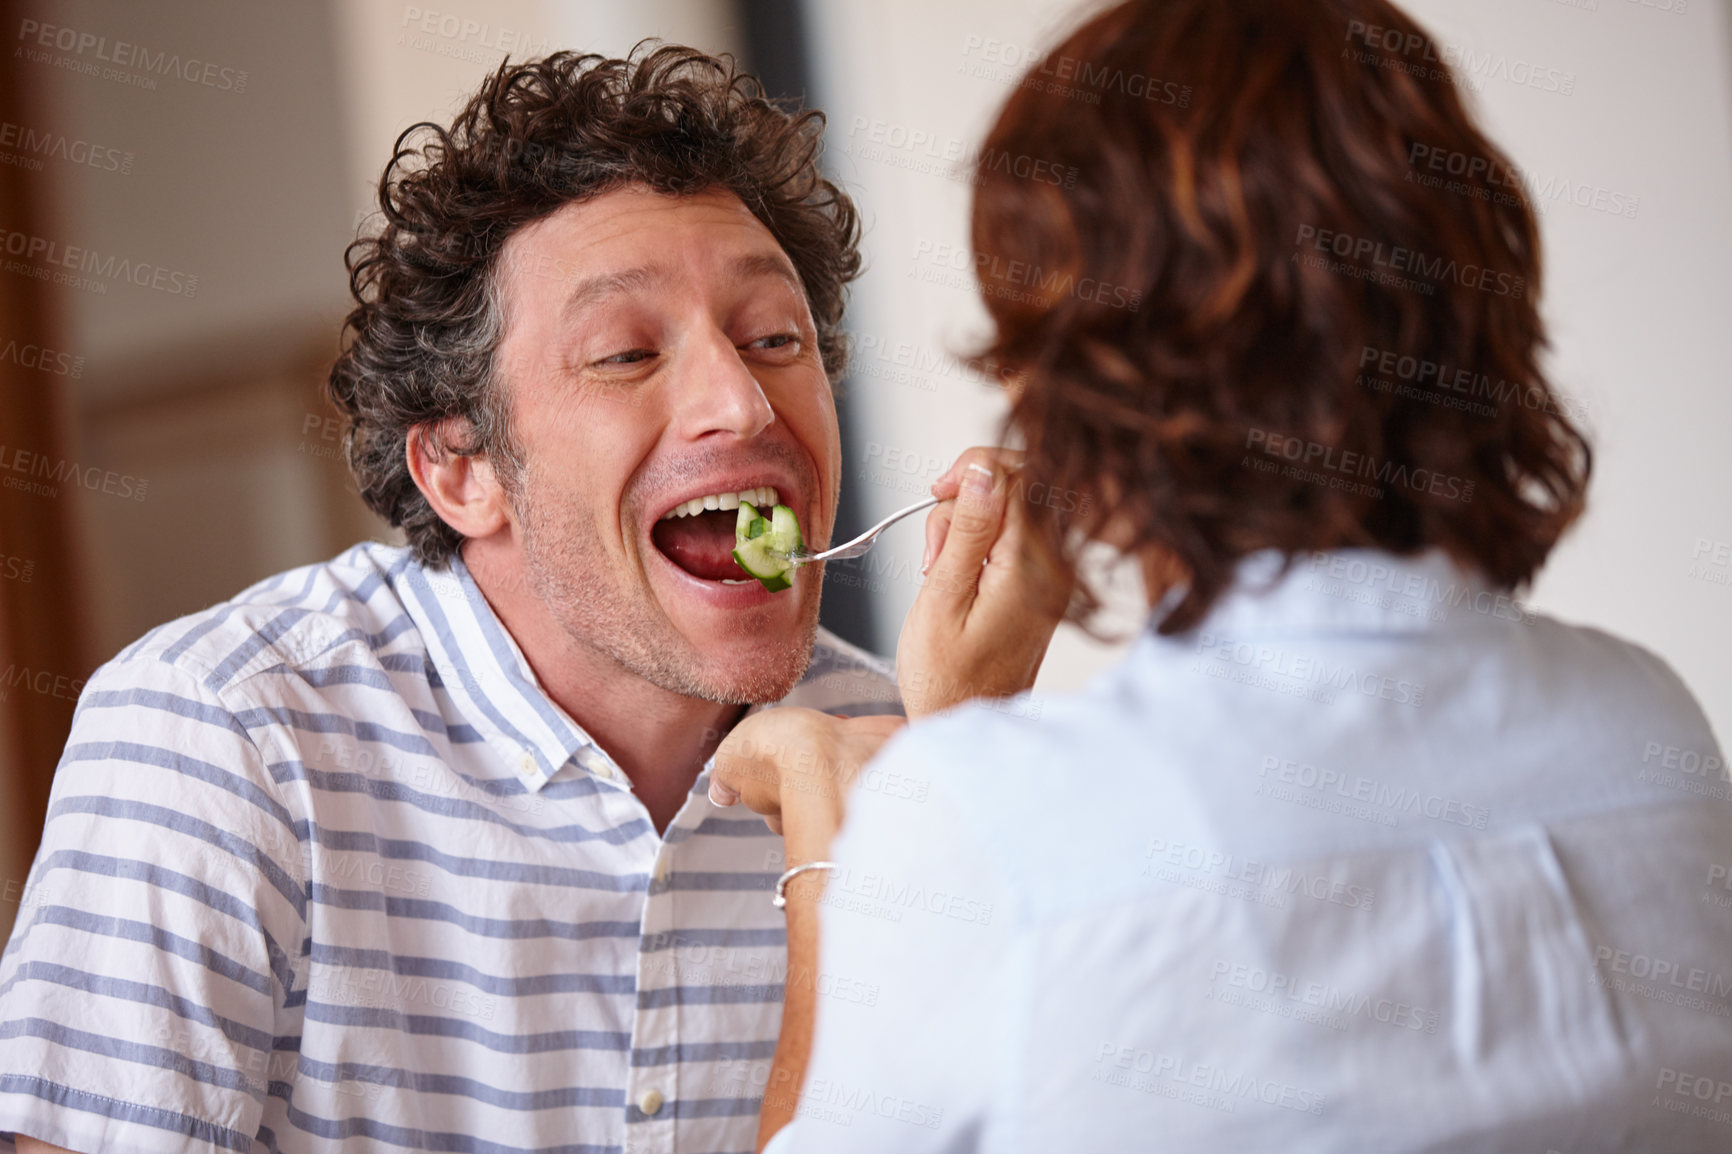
x=463 y=489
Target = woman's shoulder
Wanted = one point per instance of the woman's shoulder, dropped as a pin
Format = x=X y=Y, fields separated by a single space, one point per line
x=1629 y=680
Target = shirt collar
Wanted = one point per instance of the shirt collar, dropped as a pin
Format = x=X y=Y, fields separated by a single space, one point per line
x=483 y=668
x=1361 y=590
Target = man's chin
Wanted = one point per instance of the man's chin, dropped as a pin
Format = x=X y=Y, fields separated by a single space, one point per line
x=751 y=671
x=743 y=644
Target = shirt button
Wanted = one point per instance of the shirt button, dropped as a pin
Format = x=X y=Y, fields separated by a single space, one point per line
x=528 y=763
x=650 y=1102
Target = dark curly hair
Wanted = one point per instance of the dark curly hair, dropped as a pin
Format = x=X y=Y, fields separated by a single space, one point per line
x=1255 y=253
x=419 y=347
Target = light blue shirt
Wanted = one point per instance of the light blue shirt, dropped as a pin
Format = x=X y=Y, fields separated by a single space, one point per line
x=1376 y=859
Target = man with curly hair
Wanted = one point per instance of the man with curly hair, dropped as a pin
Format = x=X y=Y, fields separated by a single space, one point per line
x=412 y=849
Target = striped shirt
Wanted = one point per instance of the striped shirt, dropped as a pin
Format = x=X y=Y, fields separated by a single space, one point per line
x=325 y=869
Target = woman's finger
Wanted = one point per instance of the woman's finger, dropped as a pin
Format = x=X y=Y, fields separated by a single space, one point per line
x=997 y=459
x=752 y=759
x=937 y=526
x=975 y=519
x=948 y=485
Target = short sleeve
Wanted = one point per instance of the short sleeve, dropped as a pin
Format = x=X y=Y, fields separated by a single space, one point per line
x=917 y=959
x=145 y=983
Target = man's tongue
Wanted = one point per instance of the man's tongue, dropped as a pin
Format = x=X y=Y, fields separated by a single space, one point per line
x=702 y=544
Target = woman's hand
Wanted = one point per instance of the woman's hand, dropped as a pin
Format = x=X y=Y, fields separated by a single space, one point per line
x=983 y=619
x=794 y=766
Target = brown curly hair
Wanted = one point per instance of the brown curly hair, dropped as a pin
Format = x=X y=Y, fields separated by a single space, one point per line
x=1220 y=146
x=419 y=347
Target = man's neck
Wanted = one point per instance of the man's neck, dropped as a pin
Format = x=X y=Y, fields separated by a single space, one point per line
x=661 y=739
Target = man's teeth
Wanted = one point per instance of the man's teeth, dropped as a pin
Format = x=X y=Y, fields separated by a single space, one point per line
x=763 y=497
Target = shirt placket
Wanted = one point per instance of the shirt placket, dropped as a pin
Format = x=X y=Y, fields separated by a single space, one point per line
x=649 y=1091
x=653 y=1089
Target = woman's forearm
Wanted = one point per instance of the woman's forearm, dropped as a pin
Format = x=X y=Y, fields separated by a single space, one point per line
x=799 y=1009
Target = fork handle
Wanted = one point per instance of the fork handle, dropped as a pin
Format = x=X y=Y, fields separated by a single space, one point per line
x=845 y=550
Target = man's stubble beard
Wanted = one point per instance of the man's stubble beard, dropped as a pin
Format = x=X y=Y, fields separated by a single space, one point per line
x=566 y=569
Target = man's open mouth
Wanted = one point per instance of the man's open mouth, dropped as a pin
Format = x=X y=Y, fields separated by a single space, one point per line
x=698 y=535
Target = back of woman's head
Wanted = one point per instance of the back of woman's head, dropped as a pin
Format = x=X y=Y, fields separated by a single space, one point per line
x=1287 y=302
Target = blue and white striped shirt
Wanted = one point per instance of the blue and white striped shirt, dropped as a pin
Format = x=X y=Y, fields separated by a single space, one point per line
x=324 y=868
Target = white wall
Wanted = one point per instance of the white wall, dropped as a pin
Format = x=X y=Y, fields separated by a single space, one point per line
x=403 y=63
x=1638 y=307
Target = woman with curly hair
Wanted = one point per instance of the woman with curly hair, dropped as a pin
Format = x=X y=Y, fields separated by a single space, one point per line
x=1352 y=851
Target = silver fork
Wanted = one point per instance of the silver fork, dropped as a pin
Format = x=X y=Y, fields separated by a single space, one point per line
x=864 y=541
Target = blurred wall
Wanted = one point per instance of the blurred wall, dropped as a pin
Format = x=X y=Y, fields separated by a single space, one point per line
x=1630 y=161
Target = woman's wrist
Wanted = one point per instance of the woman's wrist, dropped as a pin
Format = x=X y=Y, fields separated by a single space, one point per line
x=803 y=883
x=813 y=795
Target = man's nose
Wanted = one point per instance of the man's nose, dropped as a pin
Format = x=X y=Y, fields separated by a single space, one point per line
x=716 y=392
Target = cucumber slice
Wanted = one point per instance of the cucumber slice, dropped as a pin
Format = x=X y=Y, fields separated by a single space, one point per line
x=750 y=523
x=770 y=569
x=761 y=546
x=784 y=531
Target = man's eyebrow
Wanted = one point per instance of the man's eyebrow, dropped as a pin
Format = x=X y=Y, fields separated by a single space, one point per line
x=591 y=289
x=761 y=264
